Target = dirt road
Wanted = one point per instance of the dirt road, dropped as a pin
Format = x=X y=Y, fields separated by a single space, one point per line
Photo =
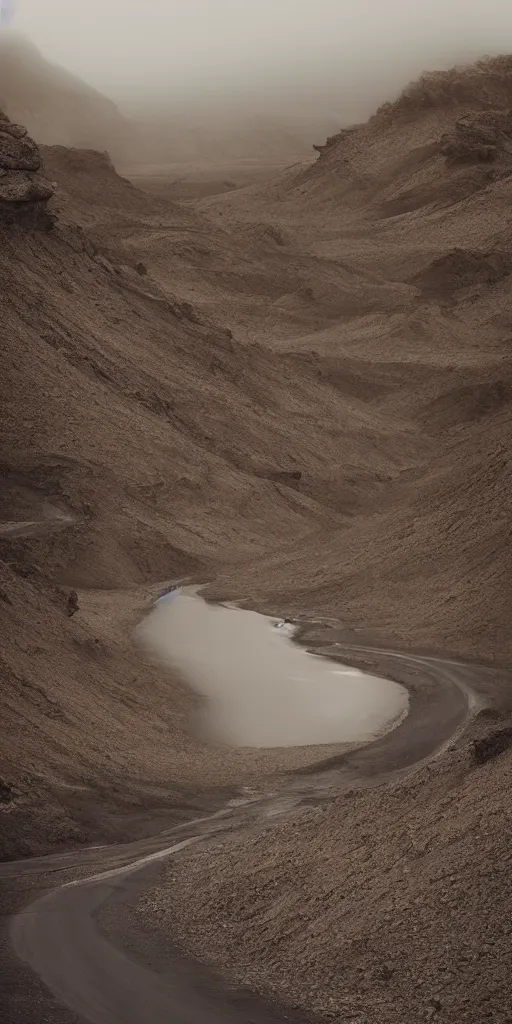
x=57 y=936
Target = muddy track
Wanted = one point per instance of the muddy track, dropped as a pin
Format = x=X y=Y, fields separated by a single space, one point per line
x=57 y=935
x=36 y=527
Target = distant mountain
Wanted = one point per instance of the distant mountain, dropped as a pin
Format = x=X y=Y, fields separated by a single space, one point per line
x=55 y=105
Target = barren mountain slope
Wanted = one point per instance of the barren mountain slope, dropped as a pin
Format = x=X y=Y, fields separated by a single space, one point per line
x=434 y=566
x=174 y=448
x=446 y=129
x=433 y=569
x=391 y=905
x=253 y=281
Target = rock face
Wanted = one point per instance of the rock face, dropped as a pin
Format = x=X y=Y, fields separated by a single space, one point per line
x=23 y=193
x=484 y=137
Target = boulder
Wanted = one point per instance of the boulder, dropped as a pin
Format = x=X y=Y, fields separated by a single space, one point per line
x=19 y=187
x=18 y=154
x=478 y=138
x=23 y=193
x=16 y=130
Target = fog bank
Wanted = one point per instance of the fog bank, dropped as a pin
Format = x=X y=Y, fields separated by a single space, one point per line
x=331 y=56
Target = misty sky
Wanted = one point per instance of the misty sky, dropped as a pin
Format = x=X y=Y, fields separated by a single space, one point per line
x=288 y=49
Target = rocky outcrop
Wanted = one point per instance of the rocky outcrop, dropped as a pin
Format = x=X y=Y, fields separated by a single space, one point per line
x=24 y=194
x=479 y=138
x=340 y=136
x=492 y=745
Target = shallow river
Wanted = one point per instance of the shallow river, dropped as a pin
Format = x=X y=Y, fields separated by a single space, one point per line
x=260 y=688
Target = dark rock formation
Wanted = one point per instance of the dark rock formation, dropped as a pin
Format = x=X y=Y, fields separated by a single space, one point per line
x=492 y=745
x=24 y=194
x=340 y=136
x=478 y=138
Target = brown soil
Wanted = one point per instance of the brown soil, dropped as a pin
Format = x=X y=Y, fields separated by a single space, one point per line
x=392 y=905
x=167 y=372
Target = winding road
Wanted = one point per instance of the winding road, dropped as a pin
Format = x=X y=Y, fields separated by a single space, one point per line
x=57 y=935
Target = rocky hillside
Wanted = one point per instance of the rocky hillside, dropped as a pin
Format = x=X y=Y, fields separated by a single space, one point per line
x=417 y=196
